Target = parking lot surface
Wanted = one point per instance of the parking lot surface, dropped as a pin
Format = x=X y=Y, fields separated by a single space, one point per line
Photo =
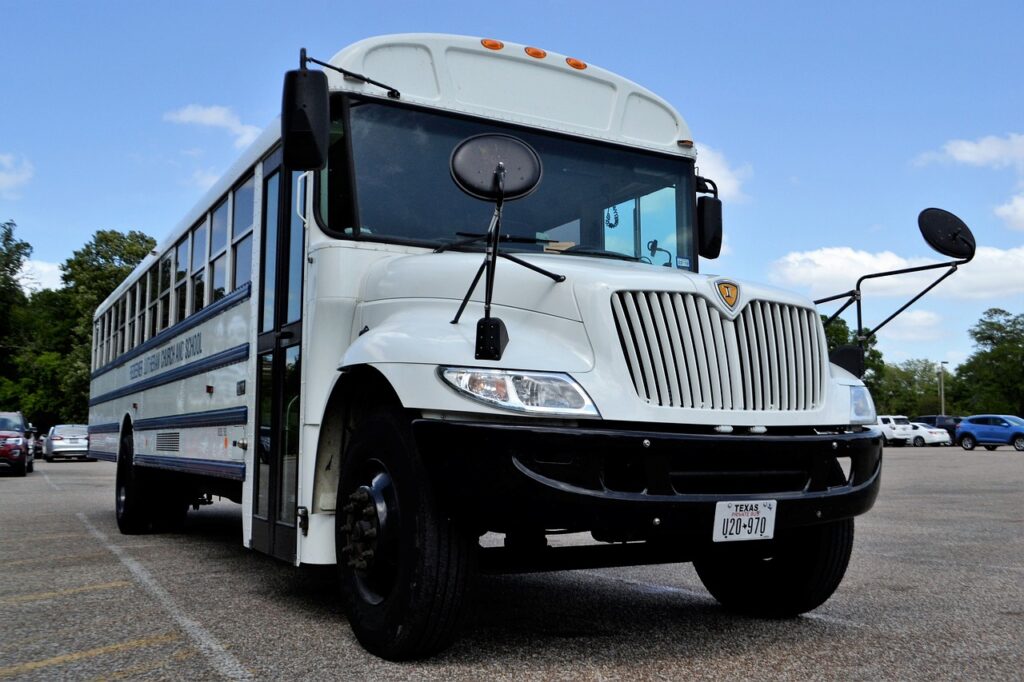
x=935 y=590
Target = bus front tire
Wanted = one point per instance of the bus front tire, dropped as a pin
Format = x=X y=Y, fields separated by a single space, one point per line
x=798 y=574
x=404 y=567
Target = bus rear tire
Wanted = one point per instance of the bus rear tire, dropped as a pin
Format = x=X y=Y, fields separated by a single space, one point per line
x=132 y=503
x=404 y=567
x=799 y=573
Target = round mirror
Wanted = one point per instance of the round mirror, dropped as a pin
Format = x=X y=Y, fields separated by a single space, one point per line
x=475 y=160
x=946 y=233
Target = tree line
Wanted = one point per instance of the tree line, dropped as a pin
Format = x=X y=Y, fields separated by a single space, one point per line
x=46 y=335
x=46 y=338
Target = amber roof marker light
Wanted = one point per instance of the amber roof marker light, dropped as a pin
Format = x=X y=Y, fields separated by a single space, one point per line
x=575 y=63
x=535 y=52
x=492 y=44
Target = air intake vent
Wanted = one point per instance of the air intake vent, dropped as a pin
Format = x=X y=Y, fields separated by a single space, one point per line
x=681 y=352
x=168 y=442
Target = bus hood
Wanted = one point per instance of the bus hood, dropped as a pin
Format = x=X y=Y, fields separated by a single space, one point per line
x=589 y=281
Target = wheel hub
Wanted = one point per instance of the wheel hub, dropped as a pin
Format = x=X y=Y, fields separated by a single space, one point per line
x=366 y=515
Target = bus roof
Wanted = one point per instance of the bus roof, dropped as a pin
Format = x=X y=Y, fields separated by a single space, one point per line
x=461 y=74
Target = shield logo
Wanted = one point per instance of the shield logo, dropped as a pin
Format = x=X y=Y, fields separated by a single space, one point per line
x=729 y=291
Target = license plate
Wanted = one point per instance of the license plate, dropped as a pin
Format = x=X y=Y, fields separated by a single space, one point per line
x=746 y=520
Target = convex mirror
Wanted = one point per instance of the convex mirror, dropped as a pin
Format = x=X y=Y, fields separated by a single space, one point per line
x=946 y=233
x=475 y=159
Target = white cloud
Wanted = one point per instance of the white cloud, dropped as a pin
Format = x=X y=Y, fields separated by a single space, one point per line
x=215 y=117
x=713 y=164
x=1012 y=212
x=994 y=273
x=988 y=152
x=38 y=274
x=14 y=174
x=914 y=325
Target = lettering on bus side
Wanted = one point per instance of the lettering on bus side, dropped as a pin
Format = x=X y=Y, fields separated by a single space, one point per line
x=184 y=349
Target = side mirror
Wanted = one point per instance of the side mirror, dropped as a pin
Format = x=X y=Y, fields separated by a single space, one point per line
x=305 y=120
x=850 y=358
x=709 y=226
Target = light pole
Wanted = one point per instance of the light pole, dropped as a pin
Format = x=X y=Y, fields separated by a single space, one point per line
x=942 y=387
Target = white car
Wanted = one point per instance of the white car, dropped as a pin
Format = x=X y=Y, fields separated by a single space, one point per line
x=923 y=434
x=895 y=429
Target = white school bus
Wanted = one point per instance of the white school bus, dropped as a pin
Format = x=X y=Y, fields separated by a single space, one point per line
x=308 y=343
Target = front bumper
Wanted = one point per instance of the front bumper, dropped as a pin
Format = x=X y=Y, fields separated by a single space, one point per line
x=624 y=484
x=12 y=456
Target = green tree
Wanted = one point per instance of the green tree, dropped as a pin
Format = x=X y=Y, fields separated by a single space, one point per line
x=13 y=254
x=90 y=275
x=910 y=388
x=992 y=379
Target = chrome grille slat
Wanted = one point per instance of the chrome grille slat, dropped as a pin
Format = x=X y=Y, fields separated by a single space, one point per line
x=682 y=352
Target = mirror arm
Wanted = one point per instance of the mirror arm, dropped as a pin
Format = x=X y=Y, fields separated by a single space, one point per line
x=952 y=268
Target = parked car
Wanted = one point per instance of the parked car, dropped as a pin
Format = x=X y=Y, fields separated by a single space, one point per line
x=895 y=429
x=943 y=421
x=923 y=434
x=67 y=440
x=991 y=430
x=15 y=452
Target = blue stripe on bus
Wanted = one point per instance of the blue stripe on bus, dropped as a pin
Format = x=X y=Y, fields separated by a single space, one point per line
x=112 y=427
x=105 y=456
x=210 y=467
x=216 y=361
x=231 y=416
x=229 y=301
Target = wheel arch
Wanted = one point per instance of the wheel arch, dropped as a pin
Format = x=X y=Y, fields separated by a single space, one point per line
x=357 y=388
x=127 y=426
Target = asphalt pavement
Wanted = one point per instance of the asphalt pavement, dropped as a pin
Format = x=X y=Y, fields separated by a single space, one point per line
x=935 y=590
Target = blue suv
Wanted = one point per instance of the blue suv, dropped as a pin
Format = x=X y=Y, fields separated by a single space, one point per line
x=991 y=430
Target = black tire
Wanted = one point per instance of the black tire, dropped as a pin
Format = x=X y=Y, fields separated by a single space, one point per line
x=404 y=583
x=797 y=574
x=132 y=499
x=31 y=466
x=990 y=448
x=20 y=469
x=967 y=442
x=1018 y=443
x=48 y=458
x=918 y=441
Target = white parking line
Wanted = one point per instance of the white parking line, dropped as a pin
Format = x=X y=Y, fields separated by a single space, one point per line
x=225 y=664
x=52 y=484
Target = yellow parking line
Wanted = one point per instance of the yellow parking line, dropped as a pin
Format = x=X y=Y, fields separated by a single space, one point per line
x=39 y=596
x=50 y=559
x=88 y=653
x=148 y=666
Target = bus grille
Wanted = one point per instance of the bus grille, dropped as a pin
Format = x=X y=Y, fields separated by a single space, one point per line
x=681 y=352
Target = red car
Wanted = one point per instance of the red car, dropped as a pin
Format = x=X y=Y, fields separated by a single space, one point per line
x=15 y=451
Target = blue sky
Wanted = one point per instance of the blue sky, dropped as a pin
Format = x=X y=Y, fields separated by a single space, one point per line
x=829 y=126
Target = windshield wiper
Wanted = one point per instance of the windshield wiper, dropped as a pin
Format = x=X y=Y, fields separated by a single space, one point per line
x=473 y=238
x=600 y=253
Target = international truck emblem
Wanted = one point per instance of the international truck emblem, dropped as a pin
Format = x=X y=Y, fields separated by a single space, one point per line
x=729 y=291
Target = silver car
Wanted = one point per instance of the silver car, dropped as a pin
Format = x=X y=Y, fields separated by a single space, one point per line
x=66 y=440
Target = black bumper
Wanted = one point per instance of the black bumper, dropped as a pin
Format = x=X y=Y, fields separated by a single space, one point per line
x=631 y=484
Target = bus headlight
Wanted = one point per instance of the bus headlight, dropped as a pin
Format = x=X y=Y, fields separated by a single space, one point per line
x=548 y=393
x=862 y=407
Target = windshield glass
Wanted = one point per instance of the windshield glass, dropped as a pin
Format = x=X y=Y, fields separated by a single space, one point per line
x=9 y=424
x=593 y=199
x=901 y=420
x=1015 y=420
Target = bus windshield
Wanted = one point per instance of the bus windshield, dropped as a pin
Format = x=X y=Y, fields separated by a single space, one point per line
x=593 y=199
